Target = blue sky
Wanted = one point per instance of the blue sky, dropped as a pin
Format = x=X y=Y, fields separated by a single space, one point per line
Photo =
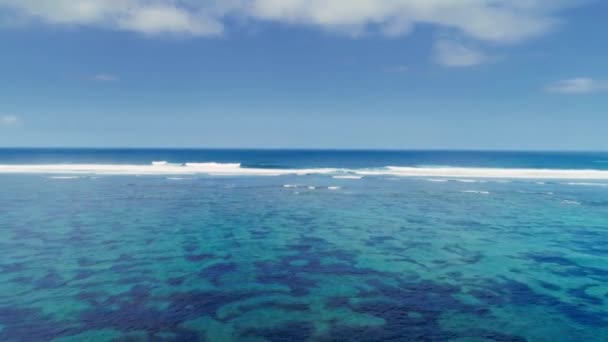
x=399 y=74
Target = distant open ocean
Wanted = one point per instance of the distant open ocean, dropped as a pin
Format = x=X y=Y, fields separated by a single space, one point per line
x=302 y=245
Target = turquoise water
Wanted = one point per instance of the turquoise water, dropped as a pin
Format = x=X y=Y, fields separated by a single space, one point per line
x=127 y=258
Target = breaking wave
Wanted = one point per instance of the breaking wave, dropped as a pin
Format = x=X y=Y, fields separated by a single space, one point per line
x=236 y=169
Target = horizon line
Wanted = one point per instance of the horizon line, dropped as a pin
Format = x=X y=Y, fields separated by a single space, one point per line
x=319 y=149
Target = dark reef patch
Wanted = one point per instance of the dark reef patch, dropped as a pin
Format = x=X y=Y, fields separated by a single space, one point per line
x=268 y=304
x=289 y=332
x=83 y=274
x=466 y=256
x=565 y=267
x=410 y=310
x=378 y=240
x=337 y=302
x=50 y=281
x=130 y=311
x=29 y=325
x=520 y=294
x=549 y=286
x=176 y=281
x=199 y=257
x=215 y=272
x=581 y=293
x=299 y=270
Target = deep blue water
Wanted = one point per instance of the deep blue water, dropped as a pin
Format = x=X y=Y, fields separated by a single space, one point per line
x=312 y=158
x=244 y=258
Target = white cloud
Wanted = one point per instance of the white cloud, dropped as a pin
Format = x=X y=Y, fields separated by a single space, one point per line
x=484 y=20
x=168 y=19
x=580 y=85
x=9 y=120
x=489 y=20
x=143 y=16
x=105 y=78
x=455 y=54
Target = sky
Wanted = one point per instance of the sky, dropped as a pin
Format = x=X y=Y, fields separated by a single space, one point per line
x=371 y=74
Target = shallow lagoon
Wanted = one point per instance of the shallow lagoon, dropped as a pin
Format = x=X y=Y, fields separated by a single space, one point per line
x=245 y=258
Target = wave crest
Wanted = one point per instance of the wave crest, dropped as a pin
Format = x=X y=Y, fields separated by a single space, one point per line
x=236 y=169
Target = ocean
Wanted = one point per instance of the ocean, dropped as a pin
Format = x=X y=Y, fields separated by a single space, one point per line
x=303 y=245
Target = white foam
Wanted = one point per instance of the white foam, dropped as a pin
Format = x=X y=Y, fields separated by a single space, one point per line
x=290 y=185
x=588 y=184
x=63 y=177
x=213 y=165
x=347 y=177
x=159 y=168
x=311 y=188
x=437 y=180
x=495 y=173
x=571 y=202
x=431 y=166
x=234 y=169
x=480 y=192
x=333 y=187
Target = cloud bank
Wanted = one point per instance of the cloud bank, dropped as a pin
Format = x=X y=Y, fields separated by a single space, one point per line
x=486 y=20
x=150 y=17
x=580 y=85
x=8 y=120
x=455 y=54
